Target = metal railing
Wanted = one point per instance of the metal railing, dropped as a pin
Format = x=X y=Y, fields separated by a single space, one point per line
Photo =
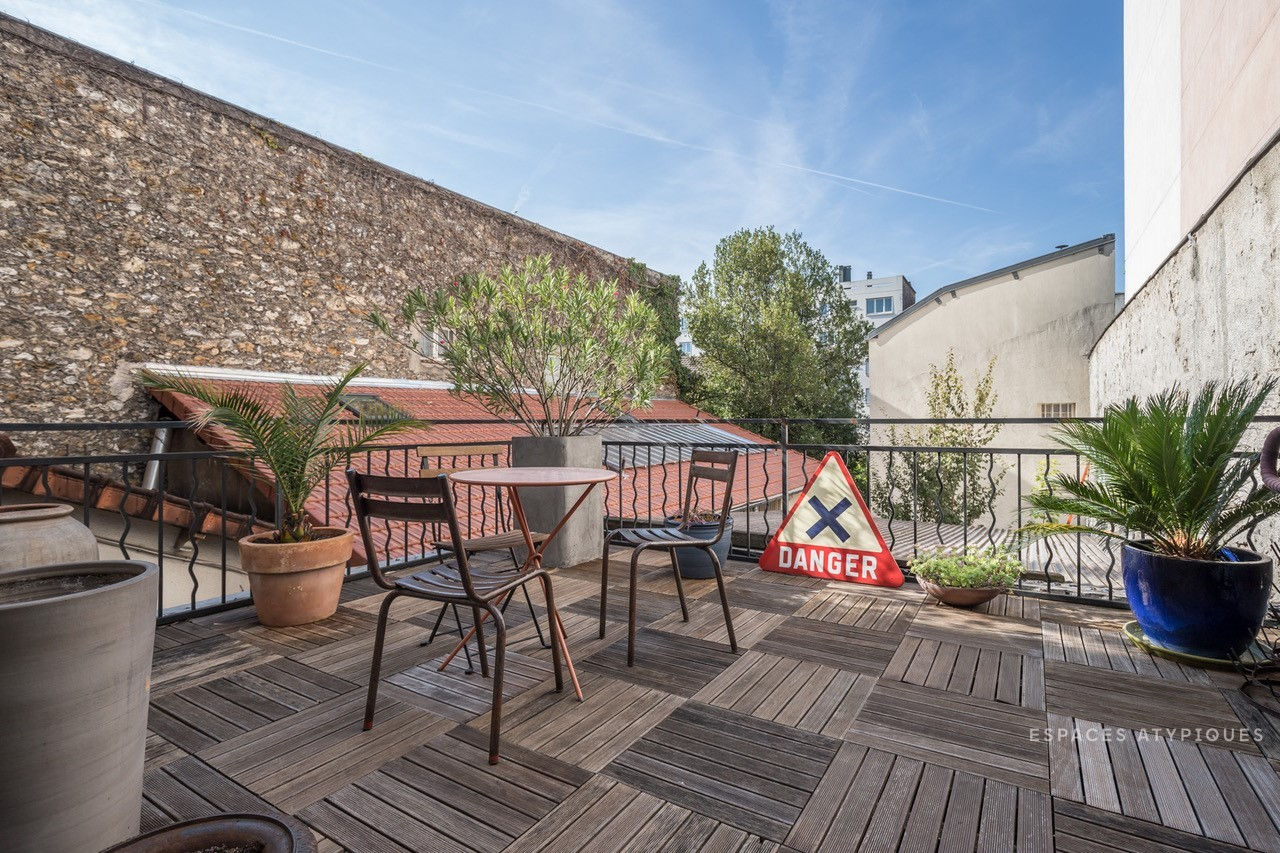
x=924 y=497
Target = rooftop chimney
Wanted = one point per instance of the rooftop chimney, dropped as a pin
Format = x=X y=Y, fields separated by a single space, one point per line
x=869 y=276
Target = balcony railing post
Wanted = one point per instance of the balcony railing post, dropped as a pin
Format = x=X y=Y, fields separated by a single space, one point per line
x=784 y=436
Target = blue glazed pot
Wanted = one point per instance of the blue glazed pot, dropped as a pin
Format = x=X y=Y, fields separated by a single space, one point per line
x=694 y=562
x=1210 y=608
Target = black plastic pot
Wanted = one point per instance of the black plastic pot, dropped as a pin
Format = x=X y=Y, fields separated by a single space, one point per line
x=1207 y=608
x=259 y=833
x=75 y=669
x=694 y=562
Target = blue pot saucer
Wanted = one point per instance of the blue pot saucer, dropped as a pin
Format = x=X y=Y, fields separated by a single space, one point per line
x=1255 y=655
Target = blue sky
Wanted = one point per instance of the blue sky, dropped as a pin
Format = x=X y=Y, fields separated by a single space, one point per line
x=934 y=139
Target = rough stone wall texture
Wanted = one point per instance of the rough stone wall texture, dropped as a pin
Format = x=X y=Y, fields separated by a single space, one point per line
x=1212 y=312
x=143 y=221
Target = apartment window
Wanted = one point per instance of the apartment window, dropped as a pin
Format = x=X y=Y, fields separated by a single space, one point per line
x=879 y=304
x=684 y=325
x=686 y=348
x=1057 y=410
x=433 y=341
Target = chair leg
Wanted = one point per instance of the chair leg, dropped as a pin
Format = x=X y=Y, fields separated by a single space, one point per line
x=484 y=657
x=631 y=610
x=675 y=570
x=444 y=608
x=466 y=649
x=499 y=660
x=537 y=626
x=724 y=599
x=375 y=670
x=551 y=623
x=604 y=582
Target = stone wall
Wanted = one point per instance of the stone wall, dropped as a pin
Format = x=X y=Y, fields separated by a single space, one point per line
x=1212 y=311
x=142 y=221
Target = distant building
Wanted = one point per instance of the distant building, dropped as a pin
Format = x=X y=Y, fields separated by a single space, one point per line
x=879 y=300
x=688 y=349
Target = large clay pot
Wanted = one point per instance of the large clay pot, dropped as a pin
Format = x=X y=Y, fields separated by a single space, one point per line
x=961 y=596
x=296 y=582
x=262 y=833
x=694 y=562
x=1206 y=608
x=75 y=665
x=43 y=535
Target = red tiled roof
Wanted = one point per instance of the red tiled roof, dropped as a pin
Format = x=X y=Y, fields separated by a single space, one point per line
x=644 y=492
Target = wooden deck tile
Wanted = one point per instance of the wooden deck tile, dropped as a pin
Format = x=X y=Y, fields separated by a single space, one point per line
x=667 y=662
x=1078 y=828
x=960 y=732
x=182 y=666
x=1106 y=648
x=756 y=591
x=998 y=676
x=1222 y=794
x=160 y=752
x=706 y=622
x=189 y=788
x=650 y=606
x=1015 y=606
x=589 y=734
x=811 y=697
x=753 y=774
x=350 y=659
x=1138 y=702
x=342 y=625
x=444 y=795
x=299 y=759
x=841 y=646
x=844 y=605
x=461 y=697
x=875 y=800
x=968 y=628
x=223 y=708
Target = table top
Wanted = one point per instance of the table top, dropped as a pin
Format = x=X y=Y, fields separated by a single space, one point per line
x=516 y=477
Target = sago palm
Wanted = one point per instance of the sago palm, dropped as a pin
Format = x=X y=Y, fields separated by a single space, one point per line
x=300 y=438
x=1167 y=470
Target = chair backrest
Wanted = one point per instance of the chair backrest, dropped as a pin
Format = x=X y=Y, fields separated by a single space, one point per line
x=422 y=501
x=715 y=466
x=458 y=452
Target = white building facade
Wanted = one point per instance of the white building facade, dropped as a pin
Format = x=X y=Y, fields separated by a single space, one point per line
x=879 y=300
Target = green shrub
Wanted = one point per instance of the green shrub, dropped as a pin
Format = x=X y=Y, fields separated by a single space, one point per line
x=973 y=568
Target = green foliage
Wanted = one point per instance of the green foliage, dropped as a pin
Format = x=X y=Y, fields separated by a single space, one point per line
x=301 y=443
x=974 y=568
x=1167 y=469
x=664 y=299
x=948 y=487
x=554 y=352
x=778 y=336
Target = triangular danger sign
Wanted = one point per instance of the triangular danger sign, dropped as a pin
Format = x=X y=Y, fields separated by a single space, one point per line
x=829 y=533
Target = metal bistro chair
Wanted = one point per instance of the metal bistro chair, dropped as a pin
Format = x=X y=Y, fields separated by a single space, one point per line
x=504 y=540
x=709 y=465
x=430 y=501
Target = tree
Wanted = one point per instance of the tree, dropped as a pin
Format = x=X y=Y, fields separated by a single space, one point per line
x=952 y=488
x=537 y=345
x=778 y=337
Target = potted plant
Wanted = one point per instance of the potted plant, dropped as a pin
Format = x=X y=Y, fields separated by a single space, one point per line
x=295 y=571
x=701 y=524
x=1173 y=486
x=554 y=352
x=967 y=577
x=227 y=833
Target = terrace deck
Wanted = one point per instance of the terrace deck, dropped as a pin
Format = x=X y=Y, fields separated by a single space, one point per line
x=853 y=717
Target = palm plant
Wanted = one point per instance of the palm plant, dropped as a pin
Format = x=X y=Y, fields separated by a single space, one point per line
x=301 y=440
x=1168 y=469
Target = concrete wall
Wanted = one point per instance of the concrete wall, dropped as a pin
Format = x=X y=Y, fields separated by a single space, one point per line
x=141 y=221
x=1201 y=99
x=1212 y=312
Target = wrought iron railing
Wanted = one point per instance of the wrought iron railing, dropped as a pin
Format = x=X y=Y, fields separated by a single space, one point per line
x=185 y=509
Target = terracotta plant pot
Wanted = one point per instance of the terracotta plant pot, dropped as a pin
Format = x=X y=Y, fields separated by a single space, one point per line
x=961 y=596
x=224 y=832
x=296 y=582
x=43 y=535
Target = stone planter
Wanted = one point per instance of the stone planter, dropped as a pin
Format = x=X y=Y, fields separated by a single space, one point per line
x=296 y=582
x=75 y=670
x=259 y=833
x=43 y=535
x=582 y=538
x=961 y=596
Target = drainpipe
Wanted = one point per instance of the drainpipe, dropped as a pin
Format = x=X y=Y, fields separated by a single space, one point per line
x=159 y=444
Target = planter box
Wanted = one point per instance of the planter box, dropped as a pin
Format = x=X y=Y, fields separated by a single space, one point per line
x=582 y=538
x=76 y=670
x=694 y=562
